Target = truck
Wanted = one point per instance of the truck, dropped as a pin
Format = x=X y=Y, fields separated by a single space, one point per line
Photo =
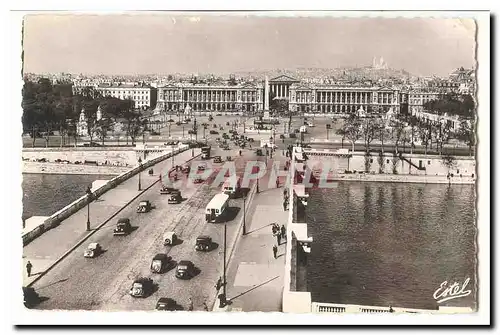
x=232 y=186
x=216 y=207
x=205 y=152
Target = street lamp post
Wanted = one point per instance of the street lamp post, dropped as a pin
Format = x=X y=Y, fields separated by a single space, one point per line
x=140 y=169
x=89 y=195
x=244 y=214
x=182 y=131
x=169 y=125
x=222 y=297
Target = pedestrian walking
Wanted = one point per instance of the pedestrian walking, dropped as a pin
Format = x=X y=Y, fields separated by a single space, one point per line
x=277 y=182
x=29 y=266
x=284 y=205
x=275 y=251
x=190 y=304
x=278 y=238
x=283 y=231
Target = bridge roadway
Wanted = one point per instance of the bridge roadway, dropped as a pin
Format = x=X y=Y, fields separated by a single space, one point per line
x=103 y=283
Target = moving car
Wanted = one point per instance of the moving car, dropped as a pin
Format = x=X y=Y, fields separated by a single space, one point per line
x=123 y=227
x=93 y=250
x=175 y=198
x=167 y=190
x=166 y=304
x=160 y=263
x=169 y=238
x=217 y=159
x=198 y=180
x=141 y=287
x=214 y=132
x=185 y=270
x=202 y=167
x=144 y=206
x=203 y=243
x=258 y=152
x=186 y=169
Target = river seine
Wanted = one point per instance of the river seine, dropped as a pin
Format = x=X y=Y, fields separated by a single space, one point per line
x=45 y=194
x=388 y=244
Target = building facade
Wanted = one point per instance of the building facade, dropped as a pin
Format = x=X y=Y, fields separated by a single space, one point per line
x=247 y=97
x=144 y=96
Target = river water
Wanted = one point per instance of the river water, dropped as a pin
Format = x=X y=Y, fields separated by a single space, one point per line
x=45 y=194
x=391 y=244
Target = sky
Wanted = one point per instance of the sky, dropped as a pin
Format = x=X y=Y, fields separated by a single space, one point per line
x=201 y=43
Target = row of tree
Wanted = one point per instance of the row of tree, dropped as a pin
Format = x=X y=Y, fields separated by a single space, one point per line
x=406 y=130
x=48 y=108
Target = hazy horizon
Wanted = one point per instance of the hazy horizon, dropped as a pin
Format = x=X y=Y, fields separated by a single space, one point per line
x=167 y=43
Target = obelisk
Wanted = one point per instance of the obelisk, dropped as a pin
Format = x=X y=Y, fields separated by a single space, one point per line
x=266 y=95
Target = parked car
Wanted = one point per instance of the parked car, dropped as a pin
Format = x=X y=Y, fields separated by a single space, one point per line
x=93 y=250
x=214 y=132
x=185 y=270
x=123 y=227
x=166 y=304
x=191 y=131
x=169 y=238
x=258 y=152
x=31 y=297
x=160 y=263
x=142 y=287
x=144 y=206
x=203 y=243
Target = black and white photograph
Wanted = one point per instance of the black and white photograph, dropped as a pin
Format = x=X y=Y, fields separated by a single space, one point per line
x=224 y=162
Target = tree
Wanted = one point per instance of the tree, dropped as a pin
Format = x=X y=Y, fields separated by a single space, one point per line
x=425 y=133
x=90 y=107
x=467 y=133
x=103 y=126
x=397 y=133
x=352 y=129
x=369 y=130
x=449 y=162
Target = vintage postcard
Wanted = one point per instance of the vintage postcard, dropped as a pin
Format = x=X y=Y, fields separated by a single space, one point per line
x=224 y=162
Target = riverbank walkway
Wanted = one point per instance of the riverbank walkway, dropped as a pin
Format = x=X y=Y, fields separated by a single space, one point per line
x=46 y=249
x=254 y=276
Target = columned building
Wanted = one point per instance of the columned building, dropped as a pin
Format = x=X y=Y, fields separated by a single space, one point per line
x=280 y=86
x=343 y=99
x=244 y=97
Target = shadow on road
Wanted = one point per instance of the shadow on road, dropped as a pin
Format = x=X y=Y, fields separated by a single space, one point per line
x=267 y=225
x=54 y=283
x=230 y=214
x=253 y=288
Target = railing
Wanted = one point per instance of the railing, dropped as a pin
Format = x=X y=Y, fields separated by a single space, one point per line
x=320 y=307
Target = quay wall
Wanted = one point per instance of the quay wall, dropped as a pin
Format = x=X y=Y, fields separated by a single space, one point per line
x=58 y=168
x=110 y=155
x=462 y=167
x=55 y=219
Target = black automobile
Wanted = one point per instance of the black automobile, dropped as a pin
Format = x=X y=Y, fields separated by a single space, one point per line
x=161 y=263
x=214 y=132
x=142 y=287
x=31 y=297
x=185 y=270
x=123 y=227
x=166 y=304
x=259 y=152
x=191 y=131
x=203 y=243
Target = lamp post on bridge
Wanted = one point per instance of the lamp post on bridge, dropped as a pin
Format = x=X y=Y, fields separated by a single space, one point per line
x=223 y=295
x=89 y=196
x=140 y=169
x=244 y=214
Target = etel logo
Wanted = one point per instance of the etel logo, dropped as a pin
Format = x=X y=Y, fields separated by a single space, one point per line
x=447 y=292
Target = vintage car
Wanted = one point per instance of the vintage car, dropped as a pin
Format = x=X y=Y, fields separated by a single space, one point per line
x=169 y=238
x=229 y=158
x=185 y=270
x=203 y=243
x=31 y=297
x=217 y=159
x=186 y=169
x=161 y=263
x=141 y=287
x=249 y=139
x=123 y=227
x=198 y=180
x=202 y=167
x=259 y=152
x=175 y=198
x=144 y=206
x=93 y=250
x=167 y=190
x=166 y=304
x=214 y=132
x=225 y=147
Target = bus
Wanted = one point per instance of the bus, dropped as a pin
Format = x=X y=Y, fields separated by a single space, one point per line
x=216 y=207
x=232 y=186
x=205 y=152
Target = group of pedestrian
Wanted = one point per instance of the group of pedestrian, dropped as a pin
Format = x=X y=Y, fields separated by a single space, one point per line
x=279 y=232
